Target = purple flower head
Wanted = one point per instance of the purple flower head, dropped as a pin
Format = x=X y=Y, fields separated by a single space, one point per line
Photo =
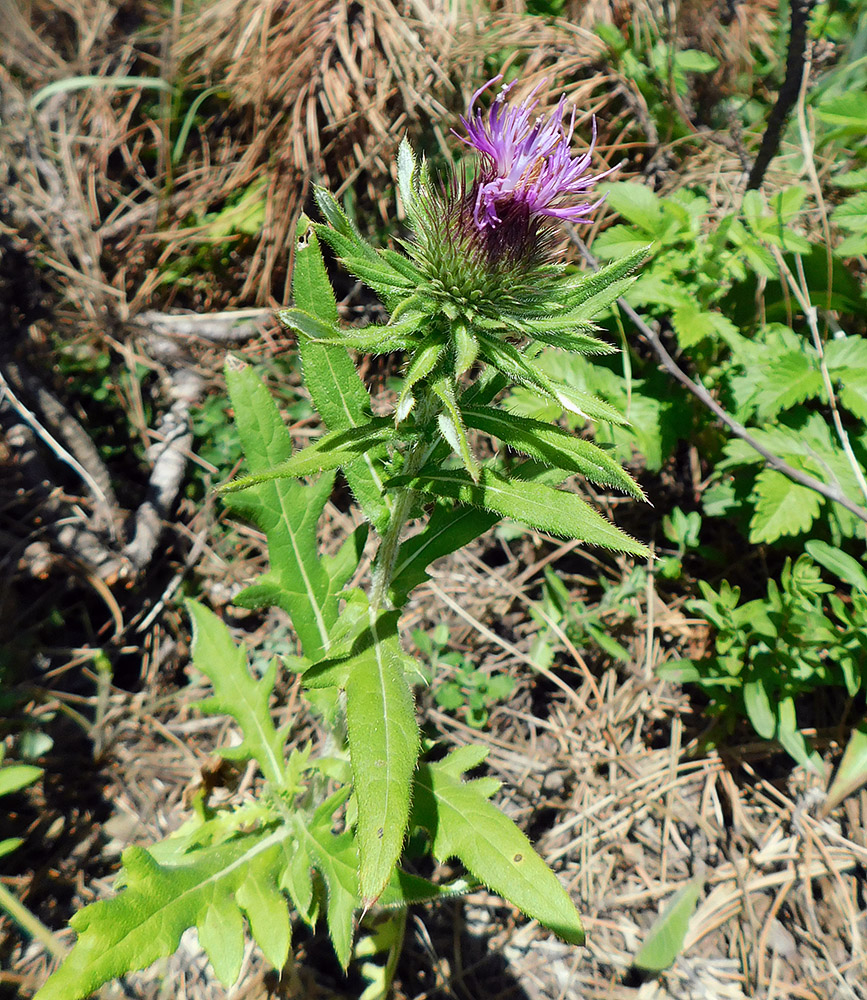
x=527 y=166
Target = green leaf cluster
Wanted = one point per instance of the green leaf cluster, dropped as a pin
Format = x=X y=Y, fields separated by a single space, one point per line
x=772 y=650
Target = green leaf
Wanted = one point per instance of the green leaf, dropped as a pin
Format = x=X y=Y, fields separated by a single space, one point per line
x=590 y=289
x=447 y=530
x=695 y=61
x=374 y=339
x=552 y=445
x=637 y=203
x=792 y=379
x=334 y=385
x=425 y=358
x=849 y=570
x=782 y=507
x=236 y=693
x=266 y=907
x=692 y=324
x=18 y=776
x=792 y=739
x=145 y=920
x=331 y=451
x=852 y=772
x=617 y=241
x=551 y=510
x=507 y=359
x=452 y=428
x=666 y=936
x=464 y=824
x=759 y=710
x=287 y=512
x=383 y=747
x=852 y=213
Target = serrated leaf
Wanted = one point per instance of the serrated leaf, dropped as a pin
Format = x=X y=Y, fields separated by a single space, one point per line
x=666 y=936
x=374 y=339
x=556 y=511
x=145 y=920
x=425 y=358
x=287 y=512
x=383 y=747
x=508 y=360
x=852 y=213
x=331 y=451
x=336 y=857
x=782 y=507
x=265 y=906
x=637 y=203
x=236 y=693
x=552 y=445
x=447 y=530
x=791 y=379
x=452 y=427
x=464 y=824
x=334 y=384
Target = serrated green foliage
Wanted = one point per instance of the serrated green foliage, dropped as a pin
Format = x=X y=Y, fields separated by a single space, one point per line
x=383 y=746
x=236 y=693
x=333 y=382
x=287 y=512
x=146 y=919
x=547 y=509
x=331 y=451
x=553 y=446
x=464 y=824
x=447 y=530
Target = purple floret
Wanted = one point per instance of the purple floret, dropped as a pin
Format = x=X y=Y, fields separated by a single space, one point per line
x=527 y=166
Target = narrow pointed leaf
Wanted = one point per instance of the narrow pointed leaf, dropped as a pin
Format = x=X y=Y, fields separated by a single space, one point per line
x=665 y=938
x=371 y=339
x=508 y=360
x=852 y=772
x=334 y=385
x=453 y=428
x=552 y=445
x=446 y=531
x=548 y=509
x=424 y=360
x=383 y=746
x=463 y=824
x=584 y=288
x=331 y=451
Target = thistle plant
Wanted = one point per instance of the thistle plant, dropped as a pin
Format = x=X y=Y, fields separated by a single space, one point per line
x=473 y=294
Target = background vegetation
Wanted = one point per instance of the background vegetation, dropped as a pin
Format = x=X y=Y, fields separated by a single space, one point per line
x=661 y=725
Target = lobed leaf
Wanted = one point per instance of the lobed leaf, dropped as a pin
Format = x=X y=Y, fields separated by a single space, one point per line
x=287 y=512
x=145 y=920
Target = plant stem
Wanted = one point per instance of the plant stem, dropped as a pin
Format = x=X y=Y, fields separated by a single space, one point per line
x=29 y=923
x=386 y=556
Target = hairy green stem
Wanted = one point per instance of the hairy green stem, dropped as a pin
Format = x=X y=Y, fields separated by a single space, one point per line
x=386 y=556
